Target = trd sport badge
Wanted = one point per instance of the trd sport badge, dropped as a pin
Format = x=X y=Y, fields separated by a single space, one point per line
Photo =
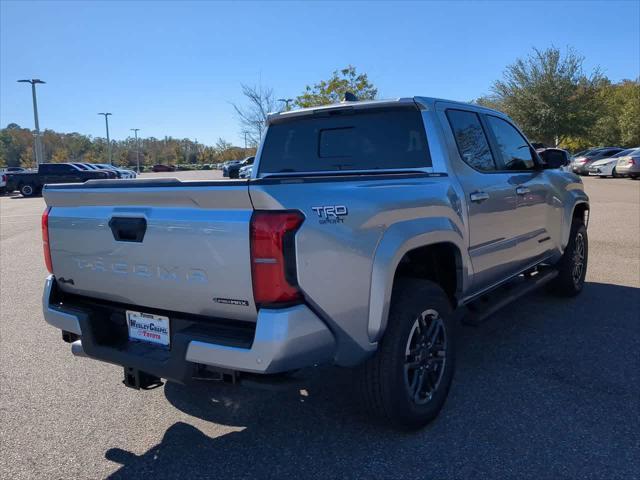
x=331 y=213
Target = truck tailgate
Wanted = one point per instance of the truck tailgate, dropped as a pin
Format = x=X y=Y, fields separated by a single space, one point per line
x=164 y=244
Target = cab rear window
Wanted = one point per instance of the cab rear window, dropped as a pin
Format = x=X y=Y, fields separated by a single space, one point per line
x=349 y=139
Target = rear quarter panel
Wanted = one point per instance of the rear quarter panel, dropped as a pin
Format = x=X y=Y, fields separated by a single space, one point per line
x=345 y=267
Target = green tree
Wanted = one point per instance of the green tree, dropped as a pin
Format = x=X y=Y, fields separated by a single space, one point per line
x=332 y=90
x=549 y=95
x=629 y=119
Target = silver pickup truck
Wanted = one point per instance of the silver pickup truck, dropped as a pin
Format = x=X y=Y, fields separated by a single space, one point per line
x=367 y=231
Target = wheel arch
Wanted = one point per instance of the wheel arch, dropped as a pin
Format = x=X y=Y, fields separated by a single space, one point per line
x=579 y=208
x=433 y=240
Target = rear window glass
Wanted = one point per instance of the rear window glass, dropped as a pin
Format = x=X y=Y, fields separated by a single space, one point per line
x=338 y=140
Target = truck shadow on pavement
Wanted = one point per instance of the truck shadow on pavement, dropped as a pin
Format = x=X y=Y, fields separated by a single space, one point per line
x=546 y=385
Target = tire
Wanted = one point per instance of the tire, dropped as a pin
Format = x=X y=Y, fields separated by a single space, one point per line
x=614 y=174
x=570 y=281
x=389 y=379
x=28 y=190
x=3 y=190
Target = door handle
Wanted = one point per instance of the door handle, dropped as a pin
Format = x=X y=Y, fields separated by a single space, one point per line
x=479 y=196
x=522 y=190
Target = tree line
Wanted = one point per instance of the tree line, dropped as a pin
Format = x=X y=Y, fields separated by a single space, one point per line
x=16 y=149
x=547 y=93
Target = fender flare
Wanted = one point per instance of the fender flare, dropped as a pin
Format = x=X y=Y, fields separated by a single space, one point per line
x=397 y=240
x=580 y=200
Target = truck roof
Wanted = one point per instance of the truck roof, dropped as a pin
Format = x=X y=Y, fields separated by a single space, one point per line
x=425 y=102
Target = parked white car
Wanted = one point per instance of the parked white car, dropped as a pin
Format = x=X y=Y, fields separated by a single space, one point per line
x=122 y=172
x=3 y=183
x=607 y=166
x=245 y=172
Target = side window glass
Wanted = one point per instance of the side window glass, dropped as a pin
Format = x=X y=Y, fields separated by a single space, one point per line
x=471 y=140
x=515 y=150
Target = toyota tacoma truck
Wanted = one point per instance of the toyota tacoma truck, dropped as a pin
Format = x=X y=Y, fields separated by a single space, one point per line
x=367 y=231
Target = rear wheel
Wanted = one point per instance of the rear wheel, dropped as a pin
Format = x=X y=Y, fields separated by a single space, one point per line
x=27 y=190
x=407 y=381
x=572 y=267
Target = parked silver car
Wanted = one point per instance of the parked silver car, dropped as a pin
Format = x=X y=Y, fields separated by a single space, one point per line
x=629 y=165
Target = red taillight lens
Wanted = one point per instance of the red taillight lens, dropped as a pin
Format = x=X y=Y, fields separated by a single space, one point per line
x=45 y=239
x=273 y=268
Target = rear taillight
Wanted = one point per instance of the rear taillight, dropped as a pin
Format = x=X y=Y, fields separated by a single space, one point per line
x=4 y=178
x=273 y=262
x=45 y=239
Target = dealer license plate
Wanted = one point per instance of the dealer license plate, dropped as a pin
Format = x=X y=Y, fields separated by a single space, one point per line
x=146 y=327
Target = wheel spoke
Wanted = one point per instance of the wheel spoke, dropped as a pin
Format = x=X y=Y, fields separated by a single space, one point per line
x=432 y=332
x=417 y=385
x=409 y=365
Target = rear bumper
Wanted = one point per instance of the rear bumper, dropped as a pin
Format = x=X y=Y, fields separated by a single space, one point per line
x=282 y=339
x=628 y=169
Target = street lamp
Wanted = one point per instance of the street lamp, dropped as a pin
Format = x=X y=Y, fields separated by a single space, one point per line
x=286 y=102
x=106 y=122
x=38 y=141
x=135 y=131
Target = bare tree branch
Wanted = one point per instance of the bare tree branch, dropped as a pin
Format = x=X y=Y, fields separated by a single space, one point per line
x=253 y=116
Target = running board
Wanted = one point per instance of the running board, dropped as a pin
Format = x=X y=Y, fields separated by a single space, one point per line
x=479 y=310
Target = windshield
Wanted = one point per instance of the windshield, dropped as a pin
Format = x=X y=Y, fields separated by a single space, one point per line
x=337 y=140
x=593 y=153
x=624 y=153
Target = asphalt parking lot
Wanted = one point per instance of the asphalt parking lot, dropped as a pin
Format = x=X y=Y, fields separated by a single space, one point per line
x=547 y=388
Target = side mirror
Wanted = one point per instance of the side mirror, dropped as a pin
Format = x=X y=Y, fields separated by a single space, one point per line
x=554 y=158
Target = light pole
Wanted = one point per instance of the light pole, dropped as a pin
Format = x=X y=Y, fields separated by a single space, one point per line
x=286 y=102
x=38 y=141
x=135 y=130
x=106 y=122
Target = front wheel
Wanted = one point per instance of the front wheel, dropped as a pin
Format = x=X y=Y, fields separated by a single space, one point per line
x=572 y=267
x=407 y=381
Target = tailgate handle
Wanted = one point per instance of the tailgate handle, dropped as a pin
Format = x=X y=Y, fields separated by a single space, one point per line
x=127 y=229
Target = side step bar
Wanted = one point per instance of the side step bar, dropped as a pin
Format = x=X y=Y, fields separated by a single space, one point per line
x=479 y=310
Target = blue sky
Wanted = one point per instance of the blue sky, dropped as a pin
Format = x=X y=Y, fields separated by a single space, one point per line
x=172 y=68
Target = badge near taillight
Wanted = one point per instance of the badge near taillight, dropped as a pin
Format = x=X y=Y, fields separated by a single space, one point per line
x=273 y=260
x=45 y=239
